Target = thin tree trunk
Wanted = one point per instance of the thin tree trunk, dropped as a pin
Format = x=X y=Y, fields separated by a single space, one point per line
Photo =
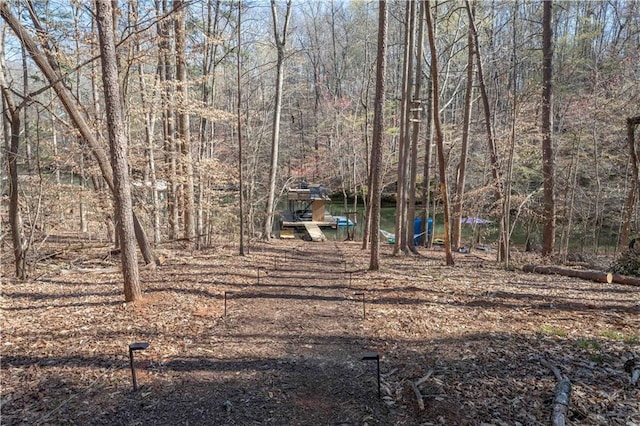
x=439 y=141
x=184 y=134
x=456 y=231
x=632 y=123
x=149 y=117
x=165 y=71
x=548 y=236
x=415 y=128
x=12 y=115
x=493 y=152
x=275 y=135
x=118 y=148
x=378 y=133
x=25 y=112
x=401 y=228
x=239 y=118
x=514 y=116
x=426 y=177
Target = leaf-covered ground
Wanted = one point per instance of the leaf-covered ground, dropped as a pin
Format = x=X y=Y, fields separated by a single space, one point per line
x=289 y=349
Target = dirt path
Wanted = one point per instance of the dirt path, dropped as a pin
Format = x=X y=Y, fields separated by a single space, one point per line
x=291 y=345
x=288 y=351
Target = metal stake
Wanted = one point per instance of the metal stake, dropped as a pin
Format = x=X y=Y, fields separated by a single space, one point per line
x=139 y=346
x=371 y=356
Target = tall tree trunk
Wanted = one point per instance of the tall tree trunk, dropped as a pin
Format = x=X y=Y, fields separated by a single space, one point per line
x=378 y=133
x=549 y=217
x=239 y=118
x=71 y=107
x=118 y=149
x=439 y=140
x=149 y=125
x=402 y=227
x=165 y=71
x=493 y=151
x=275 y=132
x=632 y=123
x=184 y=134
x=456 y=230
x=12 y=115
x=426 y=176
x=514 y=116
x=415 y=127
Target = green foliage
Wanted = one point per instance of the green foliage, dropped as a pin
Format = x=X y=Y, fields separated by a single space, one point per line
x=617 y=336
x=552 y=331
x=589 y=344
x=627 y=264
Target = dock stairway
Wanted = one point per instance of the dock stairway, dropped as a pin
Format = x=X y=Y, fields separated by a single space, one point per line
x=314 y=232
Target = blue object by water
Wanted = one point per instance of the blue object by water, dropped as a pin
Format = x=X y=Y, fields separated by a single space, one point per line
x=343 y=221
x=417 y=230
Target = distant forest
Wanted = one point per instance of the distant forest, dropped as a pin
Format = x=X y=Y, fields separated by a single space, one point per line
x=289 y=89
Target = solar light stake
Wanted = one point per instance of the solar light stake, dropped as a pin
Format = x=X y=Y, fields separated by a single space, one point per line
x=275 y=263
x=225 y=303
x=373 y=356
x=364 y=311
x=139 y=346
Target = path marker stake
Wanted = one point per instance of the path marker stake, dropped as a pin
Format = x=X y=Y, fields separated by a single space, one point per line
x=373 y=356
x=138 y=346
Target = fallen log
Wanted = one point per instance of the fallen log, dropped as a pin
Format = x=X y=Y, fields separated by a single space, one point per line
x=562 y=394
x=587 y=274
x=626 y=279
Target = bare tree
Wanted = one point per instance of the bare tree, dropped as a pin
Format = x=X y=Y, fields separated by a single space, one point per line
x=280 y=40
x=239 y=120
x=549 y=214
x=401 y=225
x=416 y=108
x=490 y=132
x=632 y=123
x=378 y=133
x=118 y=150
x=439 y=139
x=183 y=131
x=12 y=116
x=456 y=231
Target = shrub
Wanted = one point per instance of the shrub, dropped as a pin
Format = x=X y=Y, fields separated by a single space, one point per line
x=627 y=264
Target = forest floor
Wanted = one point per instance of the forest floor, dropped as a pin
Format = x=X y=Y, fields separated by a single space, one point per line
x=289 y=348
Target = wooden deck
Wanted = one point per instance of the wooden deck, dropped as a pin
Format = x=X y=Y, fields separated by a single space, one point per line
x=314 y=231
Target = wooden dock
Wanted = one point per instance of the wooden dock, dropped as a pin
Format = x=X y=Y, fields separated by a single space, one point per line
x=314 y=231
